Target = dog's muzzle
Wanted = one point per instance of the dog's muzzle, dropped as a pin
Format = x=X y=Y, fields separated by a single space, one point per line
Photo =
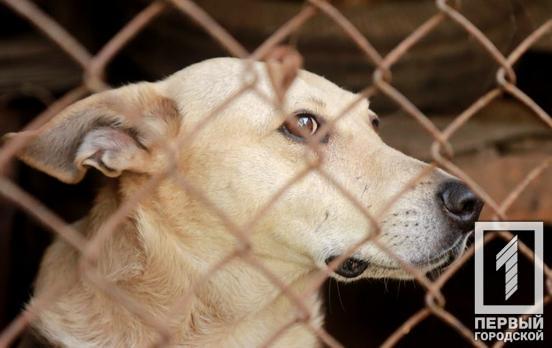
x=350 y=268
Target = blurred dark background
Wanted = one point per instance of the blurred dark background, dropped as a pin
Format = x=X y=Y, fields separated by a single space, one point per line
x=442 y=75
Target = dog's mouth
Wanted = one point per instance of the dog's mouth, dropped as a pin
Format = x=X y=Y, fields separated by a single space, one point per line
x=448 y=256
x=350 y=268
x=353 y=267
x=434 y=265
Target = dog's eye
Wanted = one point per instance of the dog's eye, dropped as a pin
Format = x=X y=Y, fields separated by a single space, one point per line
x=300 y=125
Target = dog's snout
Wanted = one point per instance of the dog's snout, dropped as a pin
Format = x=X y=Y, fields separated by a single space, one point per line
x=460 y=204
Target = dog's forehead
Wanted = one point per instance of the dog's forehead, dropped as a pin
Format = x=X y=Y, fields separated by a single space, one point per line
x=314 y=89
x=214 y=80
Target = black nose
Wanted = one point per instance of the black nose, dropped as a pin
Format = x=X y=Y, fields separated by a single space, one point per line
x=460 y=204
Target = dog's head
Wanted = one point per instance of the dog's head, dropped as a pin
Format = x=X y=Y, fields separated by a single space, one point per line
x=247 y=153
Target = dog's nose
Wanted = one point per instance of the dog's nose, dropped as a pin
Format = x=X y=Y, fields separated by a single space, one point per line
x=460 y=204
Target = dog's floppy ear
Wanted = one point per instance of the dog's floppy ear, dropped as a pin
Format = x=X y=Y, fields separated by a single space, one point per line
x=110 y=131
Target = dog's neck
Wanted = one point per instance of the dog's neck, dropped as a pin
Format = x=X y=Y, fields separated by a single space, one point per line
x=165 y=262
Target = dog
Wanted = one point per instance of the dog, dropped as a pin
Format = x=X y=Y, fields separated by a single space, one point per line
x=238 y=160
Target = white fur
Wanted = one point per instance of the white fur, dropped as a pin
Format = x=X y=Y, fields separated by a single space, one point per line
x=239 y=160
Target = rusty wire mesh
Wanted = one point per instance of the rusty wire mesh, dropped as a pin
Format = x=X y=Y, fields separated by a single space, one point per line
x=94 y=65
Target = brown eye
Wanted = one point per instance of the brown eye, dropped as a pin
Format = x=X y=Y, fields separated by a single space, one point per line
x=300 y=125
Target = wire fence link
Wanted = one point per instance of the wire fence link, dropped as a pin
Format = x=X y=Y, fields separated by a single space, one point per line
x=94 y=80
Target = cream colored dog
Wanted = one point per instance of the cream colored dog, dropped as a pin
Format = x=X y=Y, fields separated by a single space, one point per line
x=239 y=160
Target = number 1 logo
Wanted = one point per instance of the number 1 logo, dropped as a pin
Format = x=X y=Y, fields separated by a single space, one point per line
x=508 y=258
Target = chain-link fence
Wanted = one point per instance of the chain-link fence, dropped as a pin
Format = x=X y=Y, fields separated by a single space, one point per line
x=94 y=66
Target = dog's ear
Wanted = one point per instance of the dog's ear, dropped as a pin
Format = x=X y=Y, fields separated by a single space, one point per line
x=111 y=131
